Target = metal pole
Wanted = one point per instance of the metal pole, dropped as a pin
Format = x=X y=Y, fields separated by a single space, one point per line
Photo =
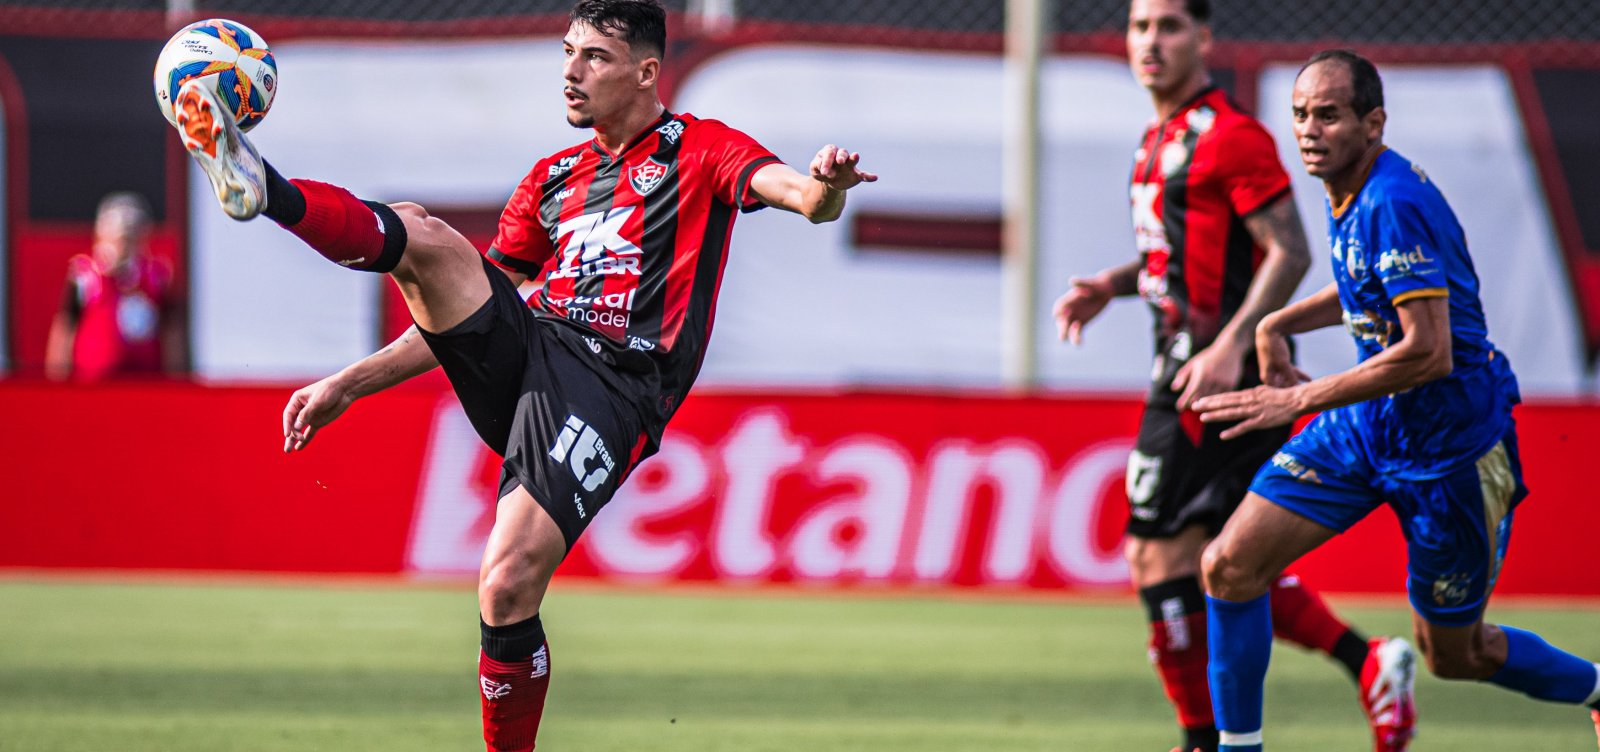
x=1025 y=24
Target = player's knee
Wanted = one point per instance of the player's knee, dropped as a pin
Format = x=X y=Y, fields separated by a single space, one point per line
x=1153 y=561
x=1229 y=577
x=511 y=587
x=429 y=238
x=1456 y=663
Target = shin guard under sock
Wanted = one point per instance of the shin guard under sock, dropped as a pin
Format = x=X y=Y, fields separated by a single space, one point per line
x=352 y=233
x=1240 y=639
x=1177 y=613
x=1300 y=616
x=513 y=679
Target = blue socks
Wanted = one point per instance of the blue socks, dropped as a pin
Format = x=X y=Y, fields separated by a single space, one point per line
x=1544 y=672
x=1240 y=638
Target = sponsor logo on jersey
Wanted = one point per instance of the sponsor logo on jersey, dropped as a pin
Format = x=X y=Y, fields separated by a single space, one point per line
x=578 y=445
x=1148 y=232
x=646 y=176
x=671 y=132
x=1395 y=262
x=1368 y=326
x=562 y=194
x=637 y=343
x=565 y=165
x=593 y=242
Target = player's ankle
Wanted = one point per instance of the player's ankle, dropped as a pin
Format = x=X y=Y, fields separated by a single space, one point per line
x=286 y=205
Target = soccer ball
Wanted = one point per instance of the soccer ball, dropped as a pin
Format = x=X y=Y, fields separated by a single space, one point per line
x=228 y=57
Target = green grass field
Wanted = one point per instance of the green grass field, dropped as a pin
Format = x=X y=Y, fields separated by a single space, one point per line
x=250 y=665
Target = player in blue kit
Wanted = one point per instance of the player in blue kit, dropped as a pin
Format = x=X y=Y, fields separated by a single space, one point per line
x=1422 y=423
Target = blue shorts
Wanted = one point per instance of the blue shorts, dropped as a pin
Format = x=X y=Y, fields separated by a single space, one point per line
x=1456 y=526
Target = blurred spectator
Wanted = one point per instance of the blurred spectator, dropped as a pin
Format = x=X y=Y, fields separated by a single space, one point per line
x=120 y=314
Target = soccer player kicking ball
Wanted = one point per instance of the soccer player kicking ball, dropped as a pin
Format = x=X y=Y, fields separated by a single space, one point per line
x=1422 y=423
x=574 y=387
x=1221 y=245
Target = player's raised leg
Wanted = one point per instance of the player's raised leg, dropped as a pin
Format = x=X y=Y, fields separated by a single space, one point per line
x=437 y=269
x=1239 y=571
x=1451 y=577
x=524 y=548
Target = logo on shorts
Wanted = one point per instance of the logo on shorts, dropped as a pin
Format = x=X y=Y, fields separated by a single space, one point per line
x=645 y=177
x=1451 y=589
x=1144 y=475
x=1293 y=466
x=579 y=445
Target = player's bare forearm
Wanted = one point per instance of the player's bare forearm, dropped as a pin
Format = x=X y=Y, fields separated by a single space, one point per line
x=405 y=358
x=1277 y=231
x=820 y=203
x=58 y=348
x=1123 y=280
x=1316 y=311
x=1422 y=356
x=818 y=196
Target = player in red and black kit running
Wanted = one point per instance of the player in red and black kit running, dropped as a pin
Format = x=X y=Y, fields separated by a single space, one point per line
x=1220 y=246
x=630 y=232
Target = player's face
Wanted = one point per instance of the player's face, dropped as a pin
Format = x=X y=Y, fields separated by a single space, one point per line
x=602 y=76
x=1166 y=47
x=119 y=232
x=1331 y=137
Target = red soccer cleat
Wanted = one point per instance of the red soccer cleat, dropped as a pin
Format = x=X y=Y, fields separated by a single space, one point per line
x=1387 y=681
x=1595 y=714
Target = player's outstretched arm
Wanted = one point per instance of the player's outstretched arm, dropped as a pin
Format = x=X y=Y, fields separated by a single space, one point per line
x=315 y=406
x=1089 y=295
x=1277 y=230
x=818 y=197
x=1423 y=355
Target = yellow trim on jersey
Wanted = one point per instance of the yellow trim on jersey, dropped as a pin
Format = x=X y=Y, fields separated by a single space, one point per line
x=1343 y=206
x=1426 y=292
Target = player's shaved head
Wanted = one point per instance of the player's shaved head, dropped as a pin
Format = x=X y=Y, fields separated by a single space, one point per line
x=1366 y=87
x=640 y=23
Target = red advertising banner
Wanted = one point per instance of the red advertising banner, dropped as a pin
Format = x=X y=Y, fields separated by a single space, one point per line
x=891 y=489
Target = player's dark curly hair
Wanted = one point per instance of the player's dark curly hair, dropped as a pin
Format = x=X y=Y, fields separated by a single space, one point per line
x=1364 y=78
x=640 y=23
x=1199 y=10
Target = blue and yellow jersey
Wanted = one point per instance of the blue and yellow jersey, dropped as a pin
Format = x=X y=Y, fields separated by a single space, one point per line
x=1397 y=240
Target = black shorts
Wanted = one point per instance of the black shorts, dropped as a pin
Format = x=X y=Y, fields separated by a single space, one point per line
x=566 y=422
x=1175 y=481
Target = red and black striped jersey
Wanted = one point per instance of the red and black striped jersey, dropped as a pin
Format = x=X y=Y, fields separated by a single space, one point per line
x=1196 y=176
x=632 y=245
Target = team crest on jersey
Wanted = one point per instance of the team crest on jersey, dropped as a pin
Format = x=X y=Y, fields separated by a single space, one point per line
x=1201 y=119
x=1173 y=156
x=647 y=176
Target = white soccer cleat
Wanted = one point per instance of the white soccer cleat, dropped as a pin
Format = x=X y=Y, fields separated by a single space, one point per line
x=1388 y=683
x=238 y=176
